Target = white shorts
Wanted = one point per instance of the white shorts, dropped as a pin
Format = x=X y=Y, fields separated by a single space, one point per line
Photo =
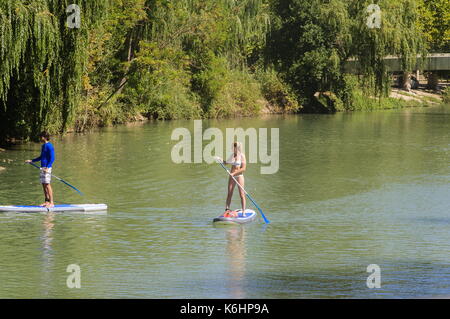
x=46 y=178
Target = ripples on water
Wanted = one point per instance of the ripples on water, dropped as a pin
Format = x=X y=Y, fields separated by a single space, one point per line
x=352 y=190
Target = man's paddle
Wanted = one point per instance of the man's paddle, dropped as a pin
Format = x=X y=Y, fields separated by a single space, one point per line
x=248 y=195
x=59 y=179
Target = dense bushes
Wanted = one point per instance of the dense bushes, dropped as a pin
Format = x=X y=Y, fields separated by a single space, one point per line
x=164 y=85
x=157 y=58
x=190 y=59
x=159 y=84
x=279 y=95
x=239 y=95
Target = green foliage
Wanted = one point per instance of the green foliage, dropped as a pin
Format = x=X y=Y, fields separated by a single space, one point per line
x=398 y=35
x=435 y=24
x=278 y=93
x=41 y=64
x=311 y=40
x=204 y=43
x=28 y=52
x=159 y=84
x=209 y=79
x=446 y=95
x=357 y=97
x=166 y=59
x=189 y=59
x=240 y=95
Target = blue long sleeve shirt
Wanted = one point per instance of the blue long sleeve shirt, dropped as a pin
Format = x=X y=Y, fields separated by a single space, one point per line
x=47 y=155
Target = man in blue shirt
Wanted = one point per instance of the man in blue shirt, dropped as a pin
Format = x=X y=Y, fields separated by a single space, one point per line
x=47 y=158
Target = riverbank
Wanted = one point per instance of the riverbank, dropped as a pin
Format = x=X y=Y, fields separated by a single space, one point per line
x=397 y=99
x=278 y=101
x=422 y=96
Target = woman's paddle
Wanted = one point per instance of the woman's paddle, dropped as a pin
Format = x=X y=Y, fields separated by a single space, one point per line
x=59 y=179
x=248 y=195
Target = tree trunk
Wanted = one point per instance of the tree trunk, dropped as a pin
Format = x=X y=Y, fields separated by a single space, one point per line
x=406 y=85
x=124 y=79
x=433 y=81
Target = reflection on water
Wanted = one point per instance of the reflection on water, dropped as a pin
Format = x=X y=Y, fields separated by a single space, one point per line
x=235 y=240
x=352 y=190
x=47 y=237
x=47 y=252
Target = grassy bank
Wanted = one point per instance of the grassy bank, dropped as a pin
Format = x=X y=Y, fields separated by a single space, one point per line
x=174 y=93
x=355 y=95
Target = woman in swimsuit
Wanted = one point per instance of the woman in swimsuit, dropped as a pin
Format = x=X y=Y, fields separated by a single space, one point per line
x=238 y=165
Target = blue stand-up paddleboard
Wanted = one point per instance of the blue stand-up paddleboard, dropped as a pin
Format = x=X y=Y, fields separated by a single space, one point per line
x=242 y=218
x=58 y=208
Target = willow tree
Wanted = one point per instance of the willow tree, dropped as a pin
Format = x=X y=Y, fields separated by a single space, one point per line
x=435 y=24
x=41 y=64
x=227 y=27
x=214 y=36
x=249 y=23
x=397 y=35
x=311 y=41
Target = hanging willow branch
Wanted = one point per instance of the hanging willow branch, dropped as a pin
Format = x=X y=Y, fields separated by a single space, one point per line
x=41 y=63
x=399 y=35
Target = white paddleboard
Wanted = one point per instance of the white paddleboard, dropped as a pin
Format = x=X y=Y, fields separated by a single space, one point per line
x=57 y=208
x=248 y=216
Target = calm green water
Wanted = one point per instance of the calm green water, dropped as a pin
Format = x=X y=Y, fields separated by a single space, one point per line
x=352 y=190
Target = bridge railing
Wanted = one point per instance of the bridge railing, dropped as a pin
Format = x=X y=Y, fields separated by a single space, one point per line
x=432 y=62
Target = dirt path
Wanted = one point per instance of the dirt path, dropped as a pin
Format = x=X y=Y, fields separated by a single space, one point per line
x=416 y=95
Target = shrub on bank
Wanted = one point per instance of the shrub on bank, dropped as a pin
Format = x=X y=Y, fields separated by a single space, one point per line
x=240 y=95
x=279 y=95
x=159 y=85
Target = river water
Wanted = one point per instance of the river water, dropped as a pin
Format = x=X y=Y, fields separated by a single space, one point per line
x=353 y=189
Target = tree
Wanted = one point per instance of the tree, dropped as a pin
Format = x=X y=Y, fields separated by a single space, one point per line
x=434 y=21
x=41 y=64
x=311 y=41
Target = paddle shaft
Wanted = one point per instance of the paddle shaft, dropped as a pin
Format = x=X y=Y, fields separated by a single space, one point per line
x=59 y=179
x=247 y=194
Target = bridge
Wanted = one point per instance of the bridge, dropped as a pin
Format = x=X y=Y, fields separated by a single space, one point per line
x=433 y=62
